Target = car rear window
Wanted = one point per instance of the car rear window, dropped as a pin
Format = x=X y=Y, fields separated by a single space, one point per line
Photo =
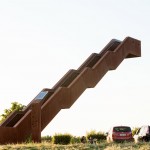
x=122 y=129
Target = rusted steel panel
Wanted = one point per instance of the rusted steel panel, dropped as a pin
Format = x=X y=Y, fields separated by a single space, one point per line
x=12 y=119
x=36 y=122
x=8 y=135
x=51 y=107
x=23 y=127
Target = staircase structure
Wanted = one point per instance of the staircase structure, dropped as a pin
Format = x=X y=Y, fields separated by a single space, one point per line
x=30 y=122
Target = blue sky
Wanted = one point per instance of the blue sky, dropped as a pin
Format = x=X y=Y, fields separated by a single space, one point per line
x=40 y=40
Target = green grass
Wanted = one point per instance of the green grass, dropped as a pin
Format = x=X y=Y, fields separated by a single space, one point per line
x=99 y=146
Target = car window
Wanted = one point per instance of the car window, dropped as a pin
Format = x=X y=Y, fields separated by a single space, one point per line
x=122 y=129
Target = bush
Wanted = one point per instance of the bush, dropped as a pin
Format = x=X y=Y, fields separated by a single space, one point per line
x=75 y=140
x=63 y=139
x=46 y=138
x=96 y=135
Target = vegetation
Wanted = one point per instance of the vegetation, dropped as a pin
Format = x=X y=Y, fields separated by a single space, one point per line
x=80 y=146
x=134 y=130
x=63 y=139
x=75 y=140
x=46 y=138
x=99 y=136
x=15 y=106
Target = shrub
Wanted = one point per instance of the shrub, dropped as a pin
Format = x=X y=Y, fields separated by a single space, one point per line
x=75 y=140
x=63 y=139
x=29 y=139
x=96 y=135
x=46 y=138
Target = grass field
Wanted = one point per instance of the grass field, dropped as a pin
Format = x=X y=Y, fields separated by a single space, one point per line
x=99 y=146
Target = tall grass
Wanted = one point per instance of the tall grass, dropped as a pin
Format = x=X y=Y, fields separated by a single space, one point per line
x=99 y=146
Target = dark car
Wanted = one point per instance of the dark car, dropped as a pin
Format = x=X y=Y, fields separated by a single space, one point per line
x=119 y=134
x=142 y=134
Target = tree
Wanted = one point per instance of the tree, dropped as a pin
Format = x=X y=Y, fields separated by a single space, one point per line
x=15 y=106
